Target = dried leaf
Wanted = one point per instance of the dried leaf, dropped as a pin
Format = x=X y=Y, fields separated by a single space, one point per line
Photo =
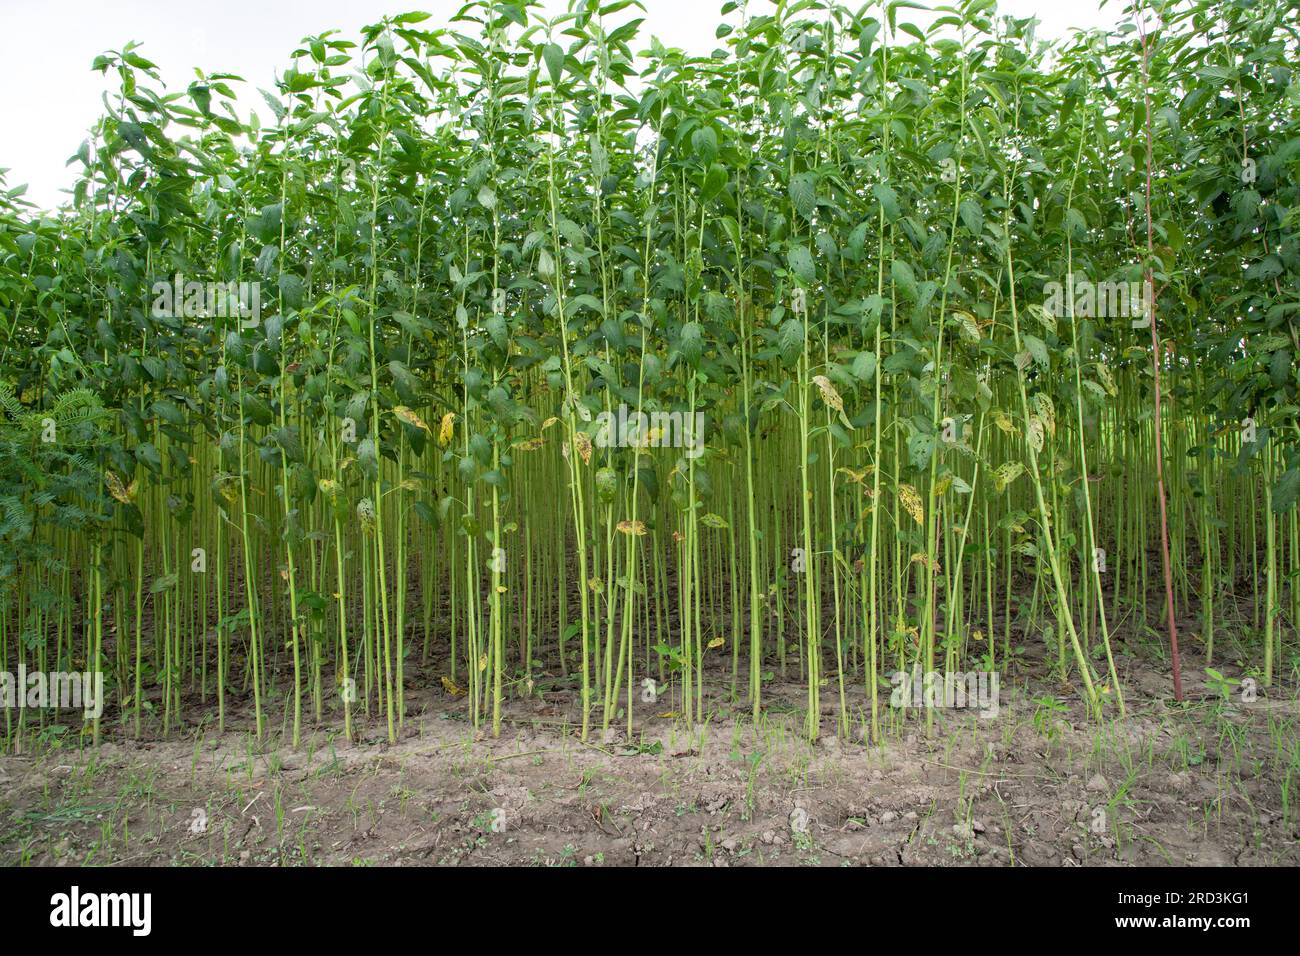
x=1006 y=474
x=1107 y=380
x=1047 y=412
x=115 y=488
x=583 y=443
x=831 y=397
x=922 y=558
x=1034 y=433
x=412 y=419
x=451 y=687
x=911 y=503
x=970 y=329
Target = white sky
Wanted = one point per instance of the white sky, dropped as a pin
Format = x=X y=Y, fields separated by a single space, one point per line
x=49 y=96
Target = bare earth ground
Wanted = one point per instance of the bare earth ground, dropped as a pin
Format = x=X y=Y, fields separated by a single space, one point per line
x=1214 y=782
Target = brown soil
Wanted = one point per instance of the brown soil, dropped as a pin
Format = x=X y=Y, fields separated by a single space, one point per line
x=1212 y=782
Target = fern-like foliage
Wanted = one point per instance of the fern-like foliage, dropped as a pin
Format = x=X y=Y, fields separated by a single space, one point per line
x=49 y=483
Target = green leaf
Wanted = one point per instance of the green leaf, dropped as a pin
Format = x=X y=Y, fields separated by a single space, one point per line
x=148 y=456
x=904 y=278
x=496 y=327
x=163 y=582
x=256 y=409
x=291 y=291
x=554 y=57
x=888 y=199
x=1286 y=490
x=704 y=143
x=714 y=182
x=972 y=216
x=801 y=263
x=1038 y=349
x=864 y=366
x=803 y=194
x=920 y=447
x=790 y=341
x=692 y=343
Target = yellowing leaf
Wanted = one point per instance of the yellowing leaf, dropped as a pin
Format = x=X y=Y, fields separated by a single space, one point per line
x=1047 y=412
x=115 y=488
x=1007 y=473
x=225 y=485
x=631 y=527
x=831 y=397
x=1034 y=433
x=922 y=558
x=583 y=444
x=970 y=329
x=446 y=429
x=1046 y=318
x=1003 y=421
x=1107 y=380
x=412 y=419
x=717 y=642
x=451 y=687
x=911 y=503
